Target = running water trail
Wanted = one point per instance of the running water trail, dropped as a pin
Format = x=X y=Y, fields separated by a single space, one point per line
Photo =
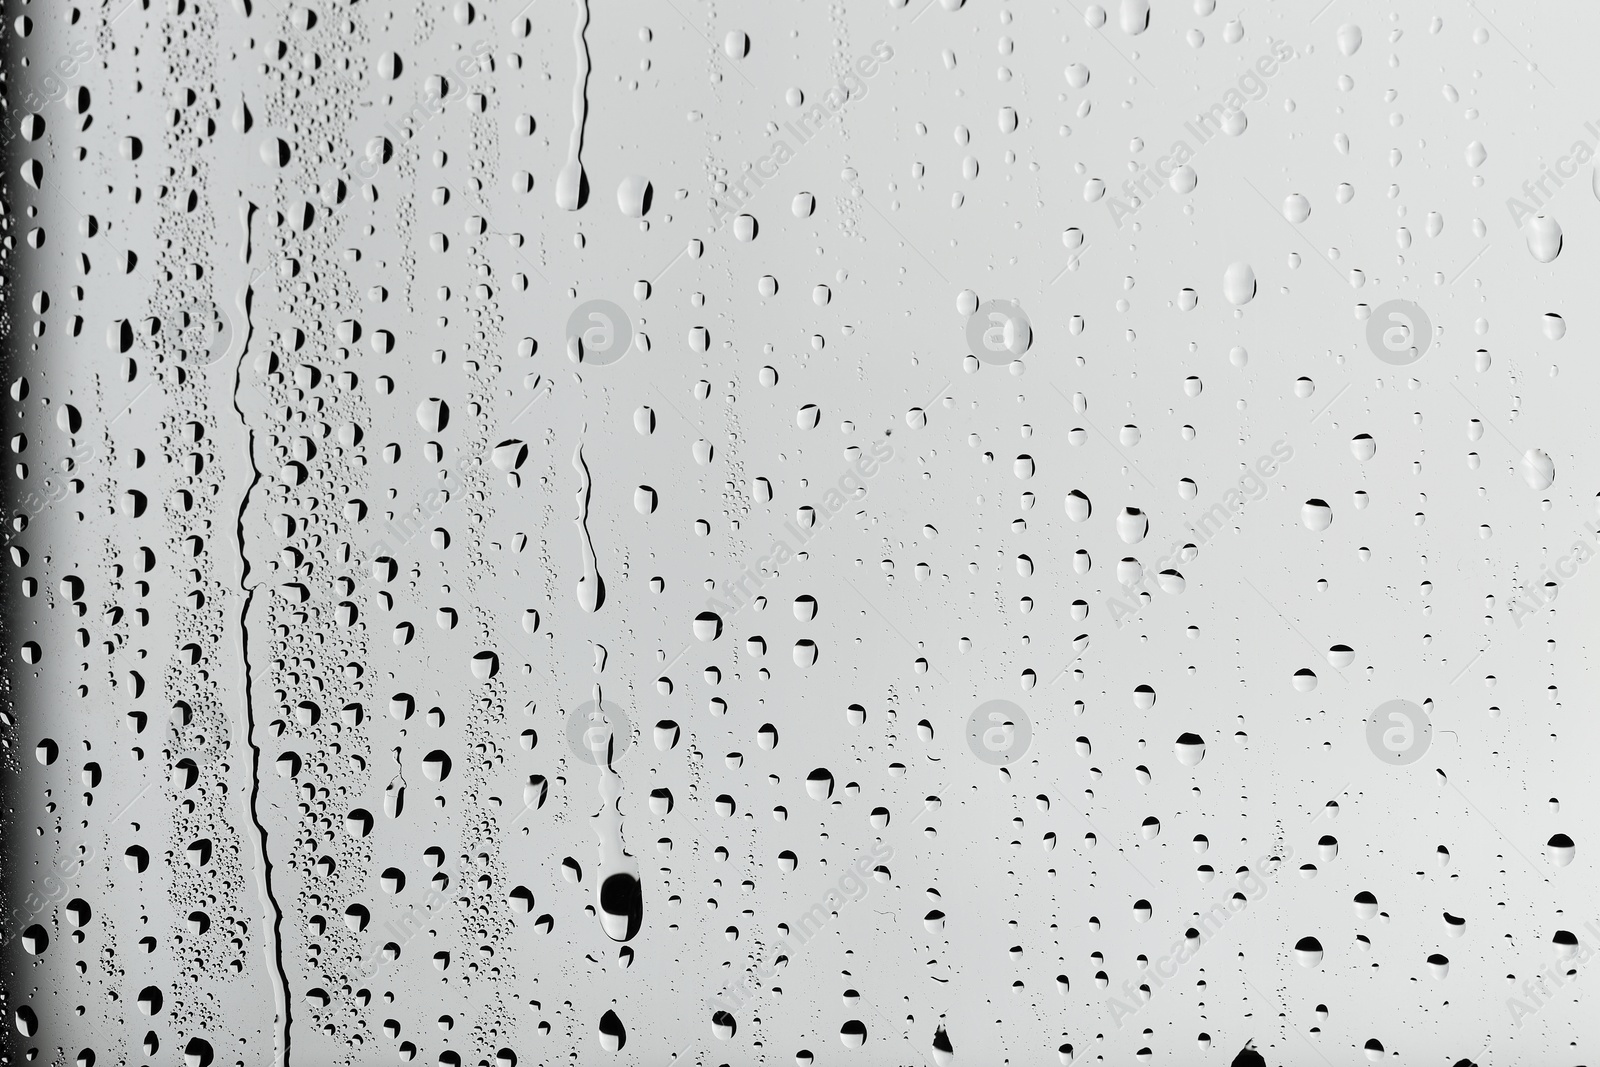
x=591 y=588
x=618 y=897
x=272 y=942
x=571 y=184
x=394 y=794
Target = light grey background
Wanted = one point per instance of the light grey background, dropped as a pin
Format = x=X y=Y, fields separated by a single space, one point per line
x=201 y=514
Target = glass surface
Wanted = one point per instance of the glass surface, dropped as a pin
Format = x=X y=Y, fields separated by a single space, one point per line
x=663 y=532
